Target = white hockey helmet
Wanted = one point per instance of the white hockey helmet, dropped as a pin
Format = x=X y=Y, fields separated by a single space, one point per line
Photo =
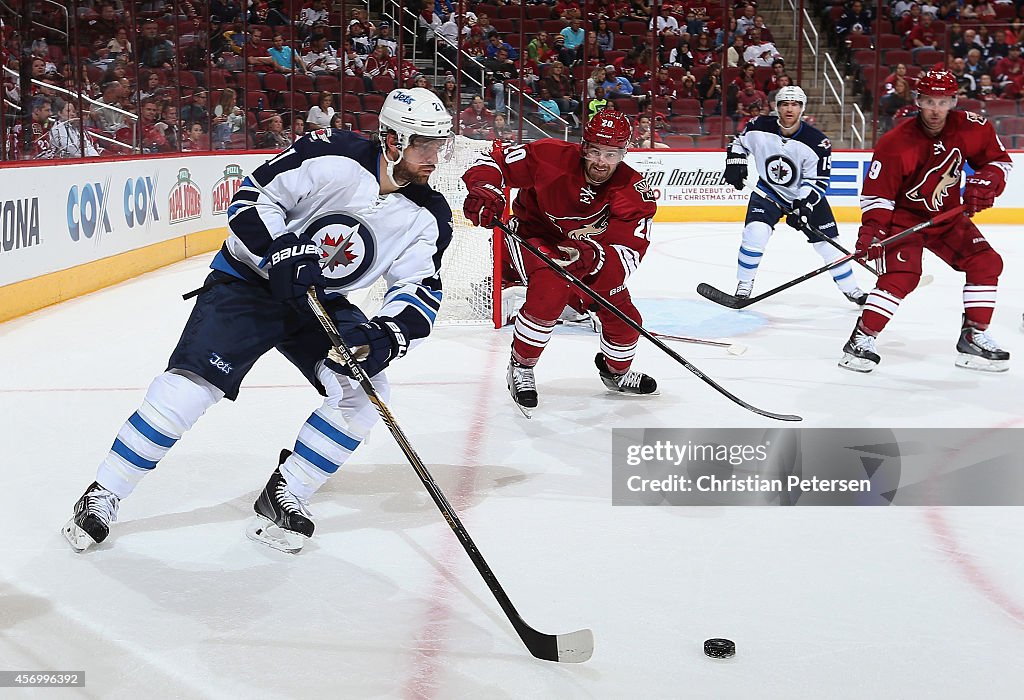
x=791 y=93
x=414 y=112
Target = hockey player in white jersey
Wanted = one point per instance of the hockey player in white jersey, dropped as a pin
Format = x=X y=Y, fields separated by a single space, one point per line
x=335 y=211
x=794 y=161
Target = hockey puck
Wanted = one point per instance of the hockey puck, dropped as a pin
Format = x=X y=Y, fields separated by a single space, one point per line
x=719 y=648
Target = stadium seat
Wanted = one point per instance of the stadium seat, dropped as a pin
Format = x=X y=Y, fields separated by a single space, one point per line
x=350 y=102
x=678 y=141
x=709 y=142
x=687 y=106
x=685 y=125
x=1001 y=108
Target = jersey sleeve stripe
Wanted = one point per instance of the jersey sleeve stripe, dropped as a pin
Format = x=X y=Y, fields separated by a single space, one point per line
x=630 y=258
x=870 y=203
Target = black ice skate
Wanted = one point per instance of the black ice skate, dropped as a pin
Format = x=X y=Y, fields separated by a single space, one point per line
x=978 y=351
x=744 y=289
x=94 y=512
x=858 y=296
x=283 y=521
x=522 y=386
x=861 y=355
x=631 y=382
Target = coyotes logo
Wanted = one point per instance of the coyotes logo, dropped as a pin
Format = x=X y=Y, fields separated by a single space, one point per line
x=580 y=227
x=937 y=182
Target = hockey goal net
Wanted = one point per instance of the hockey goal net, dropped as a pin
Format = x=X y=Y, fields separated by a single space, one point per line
x=467 y=269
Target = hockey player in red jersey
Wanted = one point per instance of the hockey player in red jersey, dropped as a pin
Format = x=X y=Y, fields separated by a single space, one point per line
x=915 y=174
x=592 y=214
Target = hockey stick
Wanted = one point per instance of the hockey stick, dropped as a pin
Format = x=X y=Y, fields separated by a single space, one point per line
x=924 y=281
x=612 y=309
x=733 y=348
x=733 y=302
x=574 y=647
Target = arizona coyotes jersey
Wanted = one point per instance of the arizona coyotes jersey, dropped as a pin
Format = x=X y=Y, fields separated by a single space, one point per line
x=913 y=176
x=789 y=166
x=555 y=201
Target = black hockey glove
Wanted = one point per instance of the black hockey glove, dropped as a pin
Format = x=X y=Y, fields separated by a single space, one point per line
x=800 y=217
x=736 y=170
x=293 y=265
x=374 y=343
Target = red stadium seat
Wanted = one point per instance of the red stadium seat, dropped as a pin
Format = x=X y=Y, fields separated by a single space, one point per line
x=678 y=141
x=709 y=142
x=373 y=103
x=930 y=57
x=328 y=83
x=1001 y=108
x=888 y=41
x=350 y=102
x=383 y=84
x=1011 y=126
x=368 y=123
x=275 y=82
x=895 y=56
x=302 y=82
x=687 y=106
x=685 y=125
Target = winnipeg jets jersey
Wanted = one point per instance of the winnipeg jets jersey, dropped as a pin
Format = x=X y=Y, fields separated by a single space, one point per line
x=788 y=166
x=327 y=186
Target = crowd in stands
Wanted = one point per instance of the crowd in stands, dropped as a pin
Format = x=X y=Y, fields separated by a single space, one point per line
x=154 y=77
x=979 y=42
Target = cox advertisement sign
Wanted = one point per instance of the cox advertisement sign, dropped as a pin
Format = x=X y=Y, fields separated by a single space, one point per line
x=89 y=206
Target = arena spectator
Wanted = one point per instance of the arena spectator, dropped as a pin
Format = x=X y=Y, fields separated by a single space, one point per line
x=476 y=120
x=320 y=114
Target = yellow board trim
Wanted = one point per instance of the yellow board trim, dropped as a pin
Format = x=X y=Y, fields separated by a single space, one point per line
x=847 y=215
x=31 y=295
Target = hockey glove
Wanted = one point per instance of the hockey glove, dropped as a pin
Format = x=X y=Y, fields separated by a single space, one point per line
x=736 y=170
x=982 y=188
x=800 y=217
x=582 y=258
x=374 y=343
x=484 y=203
x=293 y=265
x=869 y=246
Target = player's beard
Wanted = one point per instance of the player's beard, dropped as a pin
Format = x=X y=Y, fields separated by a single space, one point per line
x=598 y=173
x=414 y=175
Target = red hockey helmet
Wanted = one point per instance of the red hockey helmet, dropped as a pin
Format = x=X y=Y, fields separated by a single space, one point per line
x=608 y=128
x=937 y=83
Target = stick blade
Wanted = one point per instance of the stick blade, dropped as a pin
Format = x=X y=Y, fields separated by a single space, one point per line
x=575 y=647
x=572 y=648
x=717 y=295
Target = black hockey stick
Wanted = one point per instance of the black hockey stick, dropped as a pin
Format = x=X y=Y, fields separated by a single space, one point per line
x=612 y=309
x=733 y=302
x=815 y=233
x=924 y=281
x=574 y=647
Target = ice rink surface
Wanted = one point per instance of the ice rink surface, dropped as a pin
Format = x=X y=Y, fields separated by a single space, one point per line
x=383 y=602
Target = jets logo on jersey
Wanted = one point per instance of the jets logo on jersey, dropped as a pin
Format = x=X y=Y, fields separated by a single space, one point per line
x=825 y=143
x=347 y=243
x=937 y=182
x=579 y=227
x=780 y=170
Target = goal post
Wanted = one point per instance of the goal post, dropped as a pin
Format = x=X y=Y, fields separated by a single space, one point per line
x=472 y=262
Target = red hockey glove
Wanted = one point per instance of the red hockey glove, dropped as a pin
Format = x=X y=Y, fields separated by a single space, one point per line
x=982 y=188
x=582 y=258
x=869 y=245
x=484 y=203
